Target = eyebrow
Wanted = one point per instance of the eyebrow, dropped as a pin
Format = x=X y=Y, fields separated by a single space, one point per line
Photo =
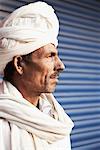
x=53 y=51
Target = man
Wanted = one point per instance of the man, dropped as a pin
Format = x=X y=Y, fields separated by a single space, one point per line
x=30 y=117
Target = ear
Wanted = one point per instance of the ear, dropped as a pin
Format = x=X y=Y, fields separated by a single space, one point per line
x=18 y=64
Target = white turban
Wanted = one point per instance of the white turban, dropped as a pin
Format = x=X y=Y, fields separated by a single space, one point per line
x=27 y=29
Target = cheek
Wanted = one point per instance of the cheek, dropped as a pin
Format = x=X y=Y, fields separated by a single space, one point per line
x=45 y=75
x=39 y=73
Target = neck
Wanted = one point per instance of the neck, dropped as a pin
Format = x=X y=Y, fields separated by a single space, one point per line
x=28 y=94
x=34 y=99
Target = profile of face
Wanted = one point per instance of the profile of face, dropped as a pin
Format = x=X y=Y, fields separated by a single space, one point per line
x=42 y=71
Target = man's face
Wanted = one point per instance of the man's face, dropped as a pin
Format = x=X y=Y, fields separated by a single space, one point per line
x=42 y=71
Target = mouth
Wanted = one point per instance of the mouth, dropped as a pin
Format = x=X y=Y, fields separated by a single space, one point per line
x=55 y=76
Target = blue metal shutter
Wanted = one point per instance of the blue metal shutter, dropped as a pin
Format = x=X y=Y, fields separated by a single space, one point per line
x=79 y=47
x=79 y=87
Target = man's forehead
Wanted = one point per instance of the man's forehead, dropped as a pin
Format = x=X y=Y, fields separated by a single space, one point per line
x=46 y=49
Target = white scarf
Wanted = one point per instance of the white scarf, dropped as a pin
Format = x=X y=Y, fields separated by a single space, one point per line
x=29 y=124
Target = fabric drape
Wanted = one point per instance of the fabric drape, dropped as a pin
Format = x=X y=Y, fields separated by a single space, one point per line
x=28 y=122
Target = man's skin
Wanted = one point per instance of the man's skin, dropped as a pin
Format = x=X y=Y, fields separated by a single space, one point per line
x=39 y=74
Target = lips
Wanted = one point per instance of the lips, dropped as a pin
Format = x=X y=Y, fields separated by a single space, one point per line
x=54 y=76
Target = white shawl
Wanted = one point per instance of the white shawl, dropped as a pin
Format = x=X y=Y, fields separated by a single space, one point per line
x=24 y=127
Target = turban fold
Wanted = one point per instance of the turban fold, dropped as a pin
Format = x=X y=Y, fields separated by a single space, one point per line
x=27 y=29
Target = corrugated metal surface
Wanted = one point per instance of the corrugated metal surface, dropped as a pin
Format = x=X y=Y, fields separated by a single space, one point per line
x=79 y=47
x=79 y=87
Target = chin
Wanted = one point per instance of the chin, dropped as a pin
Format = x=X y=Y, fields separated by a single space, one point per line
x=50 y=90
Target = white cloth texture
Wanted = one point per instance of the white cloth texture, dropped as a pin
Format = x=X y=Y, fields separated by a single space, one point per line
x=24 y=127
x=27 y=29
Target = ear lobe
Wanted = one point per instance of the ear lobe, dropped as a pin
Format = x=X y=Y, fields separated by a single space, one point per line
x=17 y=64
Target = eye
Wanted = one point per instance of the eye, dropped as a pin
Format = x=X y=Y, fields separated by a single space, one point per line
x=51 y=54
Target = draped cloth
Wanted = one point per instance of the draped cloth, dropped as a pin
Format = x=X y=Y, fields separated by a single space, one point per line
x=27 y=29
x=28 y=128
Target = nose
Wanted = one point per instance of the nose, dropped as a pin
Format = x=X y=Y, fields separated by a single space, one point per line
x=59 y=65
